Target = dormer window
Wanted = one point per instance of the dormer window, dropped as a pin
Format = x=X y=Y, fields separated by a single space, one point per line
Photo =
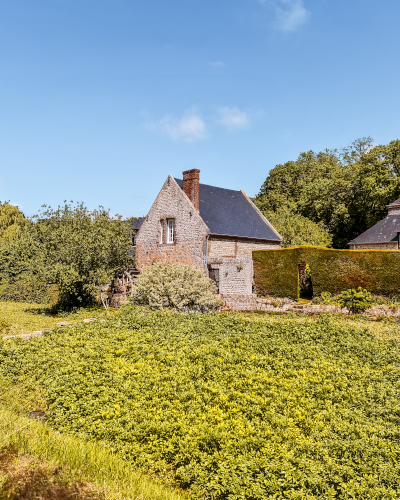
x=171 y=230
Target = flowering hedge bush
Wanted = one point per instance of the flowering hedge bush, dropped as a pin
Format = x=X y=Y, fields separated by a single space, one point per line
x=176 y=287
x=233 y=409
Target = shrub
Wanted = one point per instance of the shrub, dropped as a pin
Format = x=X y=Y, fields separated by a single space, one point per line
x=355 y=300
x=29 y=290
x=4 y=327
x=176 y=287
x=326 y=298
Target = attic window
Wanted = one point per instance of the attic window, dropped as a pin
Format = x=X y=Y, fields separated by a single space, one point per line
x=161 y=232
x=171 y=230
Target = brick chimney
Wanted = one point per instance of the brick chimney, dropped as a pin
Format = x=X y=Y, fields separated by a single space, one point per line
x=191 y=179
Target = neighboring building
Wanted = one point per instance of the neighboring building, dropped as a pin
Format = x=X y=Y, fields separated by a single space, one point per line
x=384 y=235
x=211 y=228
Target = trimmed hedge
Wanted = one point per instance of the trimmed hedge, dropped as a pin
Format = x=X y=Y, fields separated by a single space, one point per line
x=276 y=272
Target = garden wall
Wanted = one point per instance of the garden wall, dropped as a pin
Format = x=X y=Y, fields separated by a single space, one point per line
x=276 y=272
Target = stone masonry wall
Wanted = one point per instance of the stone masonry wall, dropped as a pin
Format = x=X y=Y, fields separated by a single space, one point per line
x=252 y=303
x=376 y=246
x=190 y=230
x=230 y=247
x=235 y=274
x=233 y=257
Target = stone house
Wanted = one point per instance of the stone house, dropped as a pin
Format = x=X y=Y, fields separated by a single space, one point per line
x=208 y=227
x=384 y=235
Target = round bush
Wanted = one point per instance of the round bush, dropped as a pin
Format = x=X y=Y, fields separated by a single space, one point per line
x=355 y=300
x=176 y=287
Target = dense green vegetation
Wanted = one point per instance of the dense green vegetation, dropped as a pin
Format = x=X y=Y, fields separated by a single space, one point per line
x=232 y=408
x=342 y=192
x=71 y=248
x=296 y=229
x=176 y=287
x=276 y=272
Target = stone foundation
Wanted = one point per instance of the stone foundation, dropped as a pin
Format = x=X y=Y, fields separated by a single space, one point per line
x=252 y=303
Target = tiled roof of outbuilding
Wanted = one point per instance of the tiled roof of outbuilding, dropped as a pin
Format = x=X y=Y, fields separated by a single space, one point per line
x=230 y=213
x=394 y=204
x=137 y=223
x=383 y=232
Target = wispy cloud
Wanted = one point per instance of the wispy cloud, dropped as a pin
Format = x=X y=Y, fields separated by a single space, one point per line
x=232 y=119
x=216 y=64
x=290 y=14
x=189 y=128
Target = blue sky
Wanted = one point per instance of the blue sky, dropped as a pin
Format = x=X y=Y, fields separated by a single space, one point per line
x=100 y=100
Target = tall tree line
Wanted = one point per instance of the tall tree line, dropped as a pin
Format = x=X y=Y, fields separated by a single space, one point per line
x=332 y=196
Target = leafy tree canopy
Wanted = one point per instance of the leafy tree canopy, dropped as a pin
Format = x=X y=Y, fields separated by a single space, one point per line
x=298 y=230
x=345 y=191
x=12 y=220
x=72 y=247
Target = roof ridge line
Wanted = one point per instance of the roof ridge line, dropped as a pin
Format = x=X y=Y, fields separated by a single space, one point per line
x=261 y=214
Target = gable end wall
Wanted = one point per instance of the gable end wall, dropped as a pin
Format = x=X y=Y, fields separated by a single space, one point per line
x=190 y=230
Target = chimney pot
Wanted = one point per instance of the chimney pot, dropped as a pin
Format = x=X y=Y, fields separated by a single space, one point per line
x=191 y=181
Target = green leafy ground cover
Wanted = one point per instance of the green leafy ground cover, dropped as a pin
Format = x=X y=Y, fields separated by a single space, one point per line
x=21 y=317
x=232 y=407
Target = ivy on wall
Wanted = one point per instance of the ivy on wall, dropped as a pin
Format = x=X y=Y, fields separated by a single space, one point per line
x=276 y=272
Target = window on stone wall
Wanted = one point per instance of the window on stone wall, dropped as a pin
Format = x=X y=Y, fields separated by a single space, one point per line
x=161 y=232
x=171 y=230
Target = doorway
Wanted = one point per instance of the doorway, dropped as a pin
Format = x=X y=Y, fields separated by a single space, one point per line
x=213 y=273
x=305 y=281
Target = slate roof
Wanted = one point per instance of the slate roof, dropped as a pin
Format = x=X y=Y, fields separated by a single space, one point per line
x=137 y=223
x=394 y=204
x=383 y=232
x=229 y=213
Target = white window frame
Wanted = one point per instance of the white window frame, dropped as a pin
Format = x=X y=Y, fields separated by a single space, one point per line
x=170 y=231
x=161 y=241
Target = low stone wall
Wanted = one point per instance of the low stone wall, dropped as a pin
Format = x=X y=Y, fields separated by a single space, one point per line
x=383 y=311
x=252 y=303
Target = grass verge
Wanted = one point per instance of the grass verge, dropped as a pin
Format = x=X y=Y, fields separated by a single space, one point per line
x=20 y=317
x=87 y=462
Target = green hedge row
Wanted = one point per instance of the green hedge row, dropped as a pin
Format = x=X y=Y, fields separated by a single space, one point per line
x=276 y=272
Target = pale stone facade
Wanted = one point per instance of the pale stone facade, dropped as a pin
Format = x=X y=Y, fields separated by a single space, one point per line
x=234 y=261
x=236 y=247
x=376 y=246
x=228 y=258
x=190 y=230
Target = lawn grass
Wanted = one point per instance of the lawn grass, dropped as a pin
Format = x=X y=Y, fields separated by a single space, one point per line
x=20 y=317
x=24 y=476
x=104 y=474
